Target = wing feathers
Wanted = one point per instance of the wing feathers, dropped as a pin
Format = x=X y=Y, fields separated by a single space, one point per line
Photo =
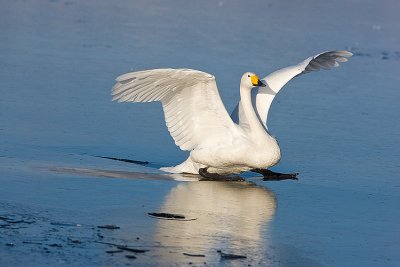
x=190 y=100
x=276 y=80
x=326 y=60
x=341 y=59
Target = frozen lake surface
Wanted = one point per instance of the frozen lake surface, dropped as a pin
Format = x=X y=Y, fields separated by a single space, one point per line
x=339 y=129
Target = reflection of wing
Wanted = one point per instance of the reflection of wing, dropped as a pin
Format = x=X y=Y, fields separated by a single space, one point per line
x=262 y=98
x=190 y=98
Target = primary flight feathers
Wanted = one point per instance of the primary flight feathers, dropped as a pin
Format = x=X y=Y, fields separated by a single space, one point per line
x=190 y=100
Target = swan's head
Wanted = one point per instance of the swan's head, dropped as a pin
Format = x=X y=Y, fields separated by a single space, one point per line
x=250 y=80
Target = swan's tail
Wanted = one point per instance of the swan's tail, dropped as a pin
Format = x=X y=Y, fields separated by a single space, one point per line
x=188 y=166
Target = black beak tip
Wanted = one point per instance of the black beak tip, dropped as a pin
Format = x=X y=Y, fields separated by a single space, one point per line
x=261 y=84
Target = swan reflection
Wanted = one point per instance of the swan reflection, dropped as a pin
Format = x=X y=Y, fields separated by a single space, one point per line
x=230 y=216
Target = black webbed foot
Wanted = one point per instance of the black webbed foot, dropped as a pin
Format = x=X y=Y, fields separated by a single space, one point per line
x=207 y=176
x=276 y=176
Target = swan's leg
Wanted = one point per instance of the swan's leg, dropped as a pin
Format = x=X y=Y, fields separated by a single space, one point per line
x=275 y=176
x=207 y=176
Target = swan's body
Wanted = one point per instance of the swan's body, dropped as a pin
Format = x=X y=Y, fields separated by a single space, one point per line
x=198 y=121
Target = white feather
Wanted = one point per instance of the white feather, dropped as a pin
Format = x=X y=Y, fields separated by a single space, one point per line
x=262 y=99
x=198 y=121
x=188 y=98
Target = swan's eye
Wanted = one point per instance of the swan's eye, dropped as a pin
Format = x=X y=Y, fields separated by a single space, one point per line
x=248 y=75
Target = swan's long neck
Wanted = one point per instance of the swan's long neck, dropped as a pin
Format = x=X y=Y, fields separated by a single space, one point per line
x=256 y=127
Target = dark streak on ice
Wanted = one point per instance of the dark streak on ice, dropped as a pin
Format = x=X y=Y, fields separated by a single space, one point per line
x=109 y=226
x=169 y=216
x=125 y=160
x=193 y=255
x=227 y=256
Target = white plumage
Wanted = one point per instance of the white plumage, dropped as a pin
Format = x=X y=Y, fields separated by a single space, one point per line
x=198 y=121
x=263 y=97
x=190 y=99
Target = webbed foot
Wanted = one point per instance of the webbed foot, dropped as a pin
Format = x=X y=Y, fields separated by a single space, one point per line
x=276 y=176
x=207 y=176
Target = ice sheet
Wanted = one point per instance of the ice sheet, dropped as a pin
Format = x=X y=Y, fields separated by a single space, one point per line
x=339 y=129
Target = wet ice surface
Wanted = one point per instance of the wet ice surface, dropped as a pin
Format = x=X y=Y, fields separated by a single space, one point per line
x=339 y=129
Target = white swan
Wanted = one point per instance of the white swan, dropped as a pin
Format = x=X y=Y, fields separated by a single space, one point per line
x=198 y=121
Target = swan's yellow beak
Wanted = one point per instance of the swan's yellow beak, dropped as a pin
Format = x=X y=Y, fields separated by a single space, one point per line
x=256 y=82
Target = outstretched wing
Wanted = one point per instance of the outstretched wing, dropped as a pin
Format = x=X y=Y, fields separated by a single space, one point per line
x=325 y=60
x=263 y=97
x=194 y=112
